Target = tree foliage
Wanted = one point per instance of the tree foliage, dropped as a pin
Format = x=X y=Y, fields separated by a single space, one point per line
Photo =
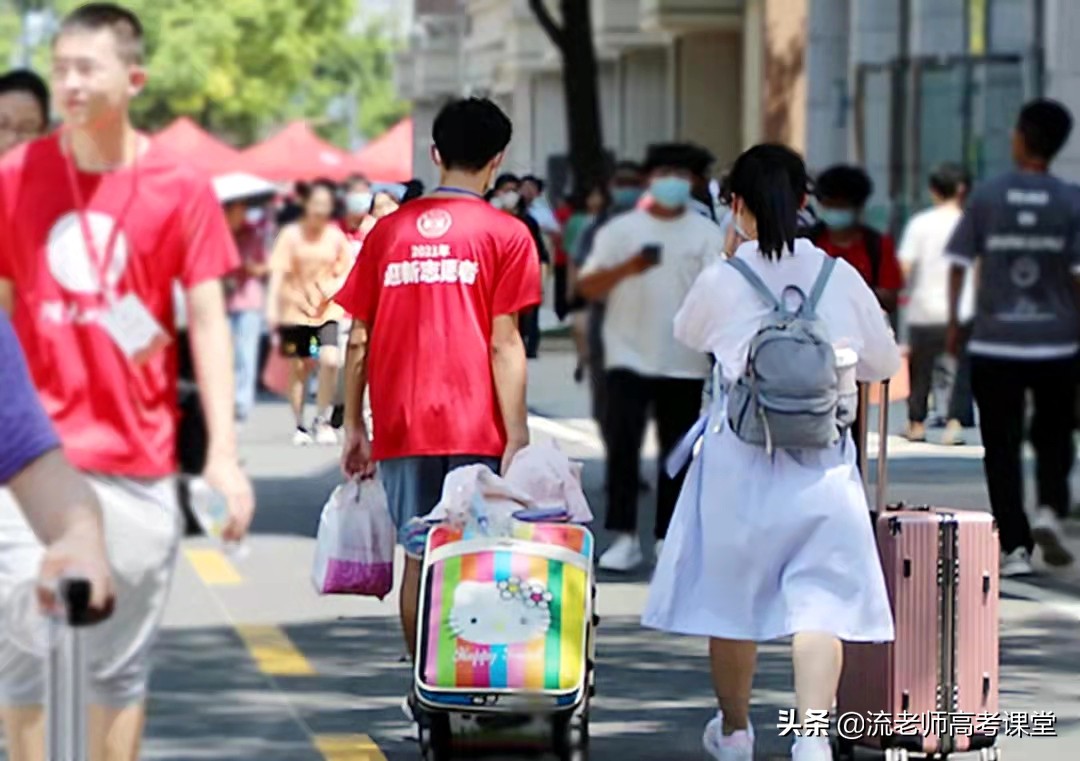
x=243 y=67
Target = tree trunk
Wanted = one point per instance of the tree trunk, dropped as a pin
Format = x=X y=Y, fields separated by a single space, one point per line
x=574 y=39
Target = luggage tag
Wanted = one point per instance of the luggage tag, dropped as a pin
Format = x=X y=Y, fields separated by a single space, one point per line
x=131 y=327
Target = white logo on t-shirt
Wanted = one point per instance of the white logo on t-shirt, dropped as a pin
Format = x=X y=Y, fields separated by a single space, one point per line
x=434 y=223
x=1025 y=272
x=68 y=257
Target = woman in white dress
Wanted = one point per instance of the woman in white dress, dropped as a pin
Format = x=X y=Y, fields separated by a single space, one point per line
x=763 y=546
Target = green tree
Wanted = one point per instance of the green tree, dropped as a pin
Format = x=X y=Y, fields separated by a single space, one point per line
x=242 y=67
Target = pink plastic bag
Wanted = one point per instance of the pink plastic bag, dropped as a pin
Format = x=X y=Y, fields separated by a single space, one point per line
x=354 y=551
x=276 y=373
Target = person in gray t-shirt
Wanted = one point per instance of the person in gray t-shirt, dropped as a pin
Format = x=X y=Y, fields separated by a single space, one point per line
x=1022 y=229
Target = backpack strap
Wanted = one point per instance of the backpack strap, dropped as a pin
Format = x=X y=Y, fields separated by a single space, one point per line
x=751 y=277
x=827 y=267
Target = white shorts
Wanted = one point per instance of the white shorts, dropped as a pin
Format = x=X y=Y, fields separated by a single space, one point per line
x=142 y=531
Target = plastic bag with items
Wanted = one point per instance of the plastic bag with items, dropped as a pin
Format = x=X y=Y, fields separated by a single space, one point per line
x=354 y=552
x=552 y=481
x=541 y=484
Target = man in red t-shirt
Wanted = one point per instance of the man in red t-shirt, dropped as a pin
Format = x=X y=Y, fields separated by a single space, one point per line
x=842 y=193
x=96 y=224
x=435 y=299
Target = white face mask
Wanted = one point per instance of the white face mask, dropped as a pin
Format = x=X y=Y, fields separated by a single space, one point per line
x=510 y=200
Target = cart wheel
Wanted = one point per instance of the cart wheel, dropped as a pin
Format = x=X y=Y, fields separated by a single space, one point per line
x=441 y=738
x=571 y=737
x=424 y=738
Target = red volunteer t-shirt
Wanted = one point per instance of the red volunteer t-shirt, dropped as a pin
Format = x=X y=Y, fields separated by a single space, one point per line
x=113 y=417
x=890 y=276
x=432 y=278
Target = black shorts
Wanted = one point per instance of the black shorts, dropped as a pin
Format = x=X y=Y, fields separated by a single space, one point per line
x=303 y=341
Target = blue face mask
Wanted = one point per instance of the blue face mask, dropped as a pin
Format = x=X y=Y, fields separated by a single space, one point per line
x=626 y=197
x=670 y=192
x=837 y=219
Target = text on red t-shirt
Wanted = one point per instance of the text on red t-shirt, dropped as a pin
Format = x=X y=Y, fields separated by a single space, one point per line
x=432 y=278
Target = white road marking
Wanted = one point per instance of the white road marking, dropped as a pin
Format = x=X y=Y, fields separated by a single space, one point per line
x=1059 y=602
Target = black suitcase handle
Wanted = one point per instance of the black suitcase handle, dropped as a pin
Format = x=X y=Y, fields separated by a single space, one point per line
x=75 y=596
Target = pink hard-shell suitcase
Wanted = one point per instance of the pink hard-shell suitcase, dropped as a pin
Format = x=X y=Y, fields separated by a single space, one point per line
x=924 y=693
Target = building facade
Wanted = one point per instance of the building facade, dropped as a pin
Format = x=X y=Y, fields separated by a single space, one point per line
x=897 y=85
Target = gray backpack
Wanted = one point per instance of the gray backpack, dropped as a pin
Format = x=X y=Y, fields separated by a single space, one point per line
x=788 y=397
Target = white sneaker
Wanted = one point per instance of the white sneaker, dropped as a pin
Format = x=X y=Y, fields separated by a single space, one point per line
x=302 y=438
x=1017 y=563
x=734 y=747
x=811 y=749
x=325 y=435
x=1046 y=531
x=623 y=555
x=658 y=549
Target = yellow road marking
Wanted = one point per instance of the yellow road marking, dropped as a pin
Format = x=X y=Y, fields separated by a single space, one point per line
x=274 y=652
x=348 y=748
x=213 y=567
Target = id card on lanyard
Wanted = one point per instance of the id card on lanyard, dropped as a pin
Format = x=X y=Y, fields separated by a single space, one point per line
x=125 y=318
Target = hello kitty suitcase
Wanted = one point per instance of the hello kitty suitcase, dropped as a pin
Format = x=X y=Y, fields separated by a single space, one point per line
x=505 y=633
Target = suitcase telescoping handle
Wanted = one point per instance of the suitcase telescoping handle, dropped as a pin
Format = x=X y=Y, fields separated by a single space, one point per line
x=66 y=736
x=882 y=482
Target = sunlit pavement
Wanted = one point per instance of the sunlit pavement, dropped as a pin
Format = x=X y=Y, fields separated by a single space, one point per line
x=254 y=666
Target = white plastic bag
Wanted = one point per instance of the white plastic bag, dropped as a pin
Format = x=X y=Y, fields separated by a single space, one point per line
x=354 y=551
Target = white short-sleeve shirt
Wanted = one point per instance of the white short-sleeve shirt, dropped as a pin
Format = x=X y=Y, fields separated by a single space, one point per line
x=722 y=312
x=641 y=310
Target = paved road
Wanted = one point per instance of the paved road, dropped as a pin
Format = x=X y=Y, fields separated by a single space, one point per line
x=254 y=666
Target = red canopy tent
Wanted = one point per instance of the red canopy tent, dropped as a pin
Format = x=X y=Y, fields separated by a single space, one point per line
x=297 y=153
x=389 y=157
x=187 y=139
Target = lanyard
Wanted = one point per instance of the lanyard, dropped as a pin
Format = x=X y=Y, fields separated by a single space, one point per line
x=100 y=262
x=458 y=191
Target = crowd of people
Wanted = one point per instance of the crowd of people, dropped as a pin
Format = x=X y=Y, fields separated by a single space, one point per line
x=427 y=303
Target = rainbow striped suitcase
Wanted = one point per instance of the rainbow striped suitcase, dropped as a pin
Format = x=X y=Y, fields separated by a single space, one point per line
x=505 y=627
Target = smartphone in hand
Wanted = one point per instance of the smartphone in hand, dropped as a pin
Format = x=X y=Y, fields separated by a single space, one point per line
x=652 y=252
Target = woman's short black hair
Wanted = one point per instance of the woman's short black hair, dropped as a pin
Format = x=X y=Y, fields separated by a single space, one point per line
x=305 y=190
x=771 y=180
x=24 y=80
x=506 y=178
x=846 y=183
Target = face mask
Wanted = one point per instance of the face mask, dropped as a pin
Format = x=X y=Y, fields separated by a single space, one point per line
x=670 y=192
x=837 y=219
x=626 y=197
x=510 y=200
x=358 y=203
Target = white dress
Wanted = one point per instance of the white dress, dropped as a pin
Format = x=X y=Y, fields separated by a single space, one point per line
x=762 y=547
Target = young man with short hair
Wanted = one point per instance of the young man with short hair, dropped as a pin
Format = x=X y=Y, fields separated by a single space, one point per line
x=96 y=224
x=922 y=256
x=842 y=192
x=435 y=299
x=1022 y=229
x=643 y=263
x=24 y=108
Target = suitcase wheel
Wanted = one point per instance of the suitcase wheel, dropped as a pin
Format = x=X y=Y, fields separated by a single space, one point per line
x=843 y=750
x=571 y=736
